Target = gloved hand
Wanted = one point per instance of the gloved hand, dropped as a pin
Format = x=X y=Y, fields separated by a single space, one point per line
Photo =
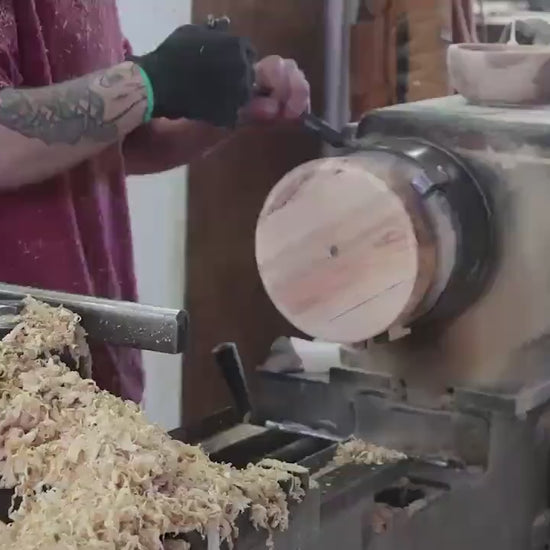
x=200 y=73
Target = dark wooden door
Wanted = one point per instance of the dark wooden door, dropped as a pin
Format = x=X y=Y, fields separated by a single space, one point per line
x=224 y=295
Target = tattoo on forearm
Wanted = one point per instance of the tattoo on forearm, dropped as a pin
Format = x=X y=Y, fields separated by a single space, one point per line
x=69 y=112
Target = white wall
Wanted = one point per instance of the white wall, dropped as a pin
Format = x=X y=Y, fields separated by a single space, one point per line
x=158 y=206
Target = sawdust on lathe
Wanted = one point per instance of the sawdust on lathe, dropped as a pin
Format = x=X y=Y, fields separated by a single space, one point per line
x=357 y=451
x=92 y=473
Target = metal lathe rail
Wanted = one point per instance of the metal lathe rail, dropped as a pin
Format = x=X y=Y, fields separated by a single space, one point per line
x=115 y=322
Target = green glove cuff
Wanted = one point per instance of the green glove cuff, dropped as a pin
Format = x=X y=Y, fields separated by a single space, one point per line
x=150 y=96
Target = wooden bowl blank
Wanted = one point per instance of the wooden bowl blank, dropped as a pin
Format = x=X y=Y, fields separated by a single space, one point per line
x=343 y=253
x=500 y=74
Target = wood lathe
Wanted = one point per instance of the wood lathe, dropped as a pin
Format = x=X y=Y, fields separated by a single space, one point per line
x=436 y=223
x=423 y=250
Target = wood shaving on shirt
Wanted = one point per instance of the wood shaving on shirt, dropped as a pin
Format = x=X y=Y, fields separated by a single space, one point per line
x=91 y=472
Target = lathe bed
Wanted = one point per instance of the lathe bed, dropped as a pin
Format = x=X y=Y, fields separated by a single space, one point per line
x=477 y=437
x=466 y=389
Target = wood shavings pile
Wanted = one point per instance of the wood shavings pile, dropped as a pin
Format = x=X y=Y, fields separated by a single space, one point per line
x=92 y=473
x=357 y=451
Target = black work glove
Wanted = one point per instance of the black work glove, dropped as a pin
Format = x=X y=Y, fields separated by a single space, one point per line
x=200 y=73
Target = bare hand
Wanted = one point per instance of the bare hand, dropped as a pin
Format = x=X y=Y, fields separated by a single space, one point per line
x=288 y=89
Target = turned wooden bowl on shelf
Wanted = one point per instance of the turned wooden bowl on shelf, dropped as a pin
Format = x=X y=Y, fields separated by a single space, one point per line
x=500 y=74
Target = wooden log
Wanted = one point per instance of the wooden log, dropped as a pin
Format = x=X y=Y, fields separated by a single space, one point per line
x=344 y=248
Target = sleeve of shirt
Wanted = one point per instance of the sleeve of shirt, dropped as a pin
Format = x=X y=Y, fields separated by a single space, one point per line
x=9 y=68
x=127 y=48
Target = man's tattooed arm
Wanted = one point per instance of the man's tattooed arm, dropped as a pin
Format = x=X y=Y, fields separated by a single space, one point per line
x=47 y=130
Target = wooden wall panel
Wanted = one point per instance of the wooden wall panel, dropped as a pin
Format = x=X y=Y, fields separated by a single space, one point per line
x=225 y=297
x=424 y=28
x=430 y=31
x=373 y=66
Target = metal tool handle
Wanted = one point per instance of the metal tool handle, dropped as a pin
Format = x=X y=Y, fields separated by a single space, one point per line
x=324 y=130
x=315 y=125
x=119 y=323
x=229 y=361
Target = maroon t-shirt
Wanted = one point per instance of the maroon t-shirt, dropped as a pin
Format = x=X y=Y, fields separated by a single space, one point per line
x=70 y=233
